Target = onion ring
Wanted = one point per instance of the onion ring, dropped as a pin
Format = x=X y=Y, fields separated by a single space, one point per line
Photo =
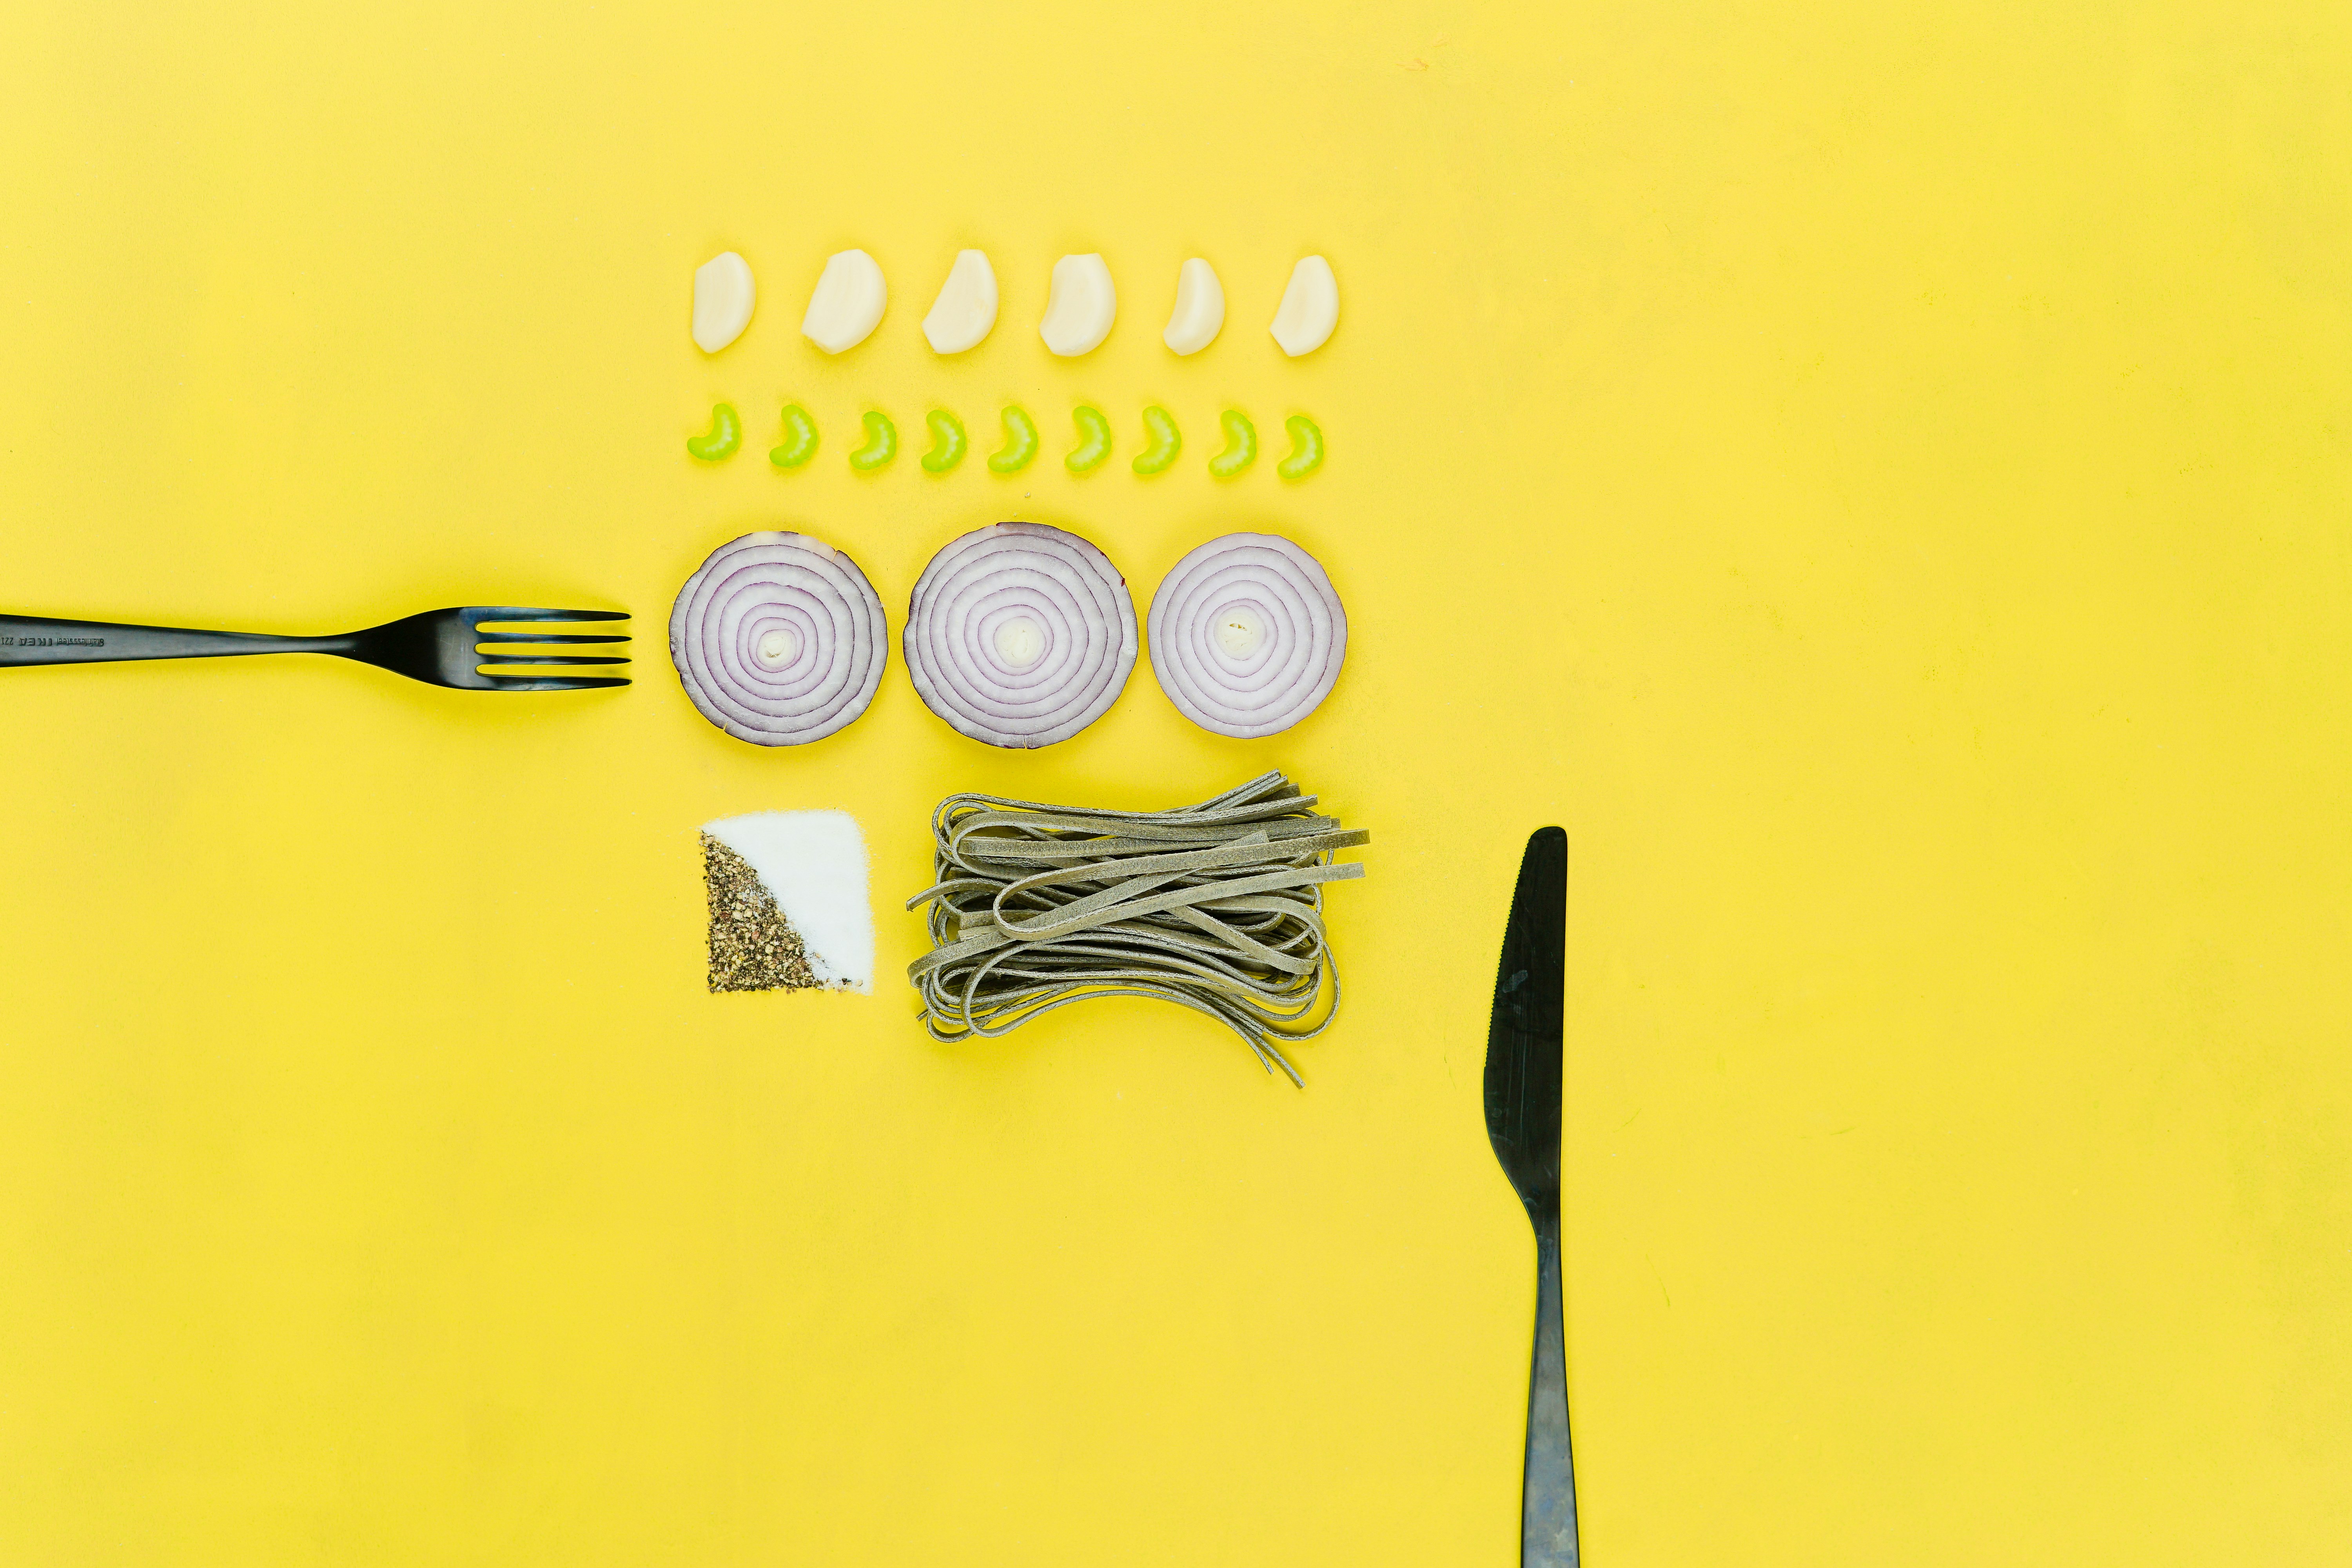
x=1247 y=635
x=779 y=640
x=1020 y=635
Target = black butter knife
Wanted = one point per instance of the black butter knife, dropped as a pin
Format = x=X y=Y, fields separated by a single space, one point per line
x=1523 y=1083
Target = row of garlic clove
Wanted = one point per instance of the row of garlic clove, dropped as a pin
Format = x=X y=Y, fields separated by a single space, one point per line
x=850 y=297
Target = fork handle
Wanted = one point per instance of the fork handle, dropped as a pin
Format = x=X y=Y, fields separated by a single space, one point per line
x=37 y=639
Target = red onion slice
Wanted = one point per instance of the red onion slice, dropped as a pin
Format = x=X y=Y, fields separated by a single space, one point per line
x=1020 y=635
x=779 y=640
x=1247 y=635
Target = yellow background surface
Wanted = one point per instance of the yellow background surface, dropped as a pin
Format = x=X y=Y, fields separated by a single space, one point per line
x=1875 y=474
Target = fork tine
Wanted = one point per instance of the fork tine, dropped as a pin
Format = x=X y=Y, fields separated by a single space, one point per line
x=559 y=683
x=479 y=612
x=480 y=660
x=548 y=636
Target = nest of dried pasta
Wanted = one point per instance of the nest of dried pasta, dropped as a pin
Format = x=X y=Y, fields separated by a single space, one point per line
x=1216 y=907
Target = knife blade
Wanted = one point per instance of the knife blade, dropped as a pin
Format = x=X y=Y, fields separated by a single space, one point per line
x=1524 y=1050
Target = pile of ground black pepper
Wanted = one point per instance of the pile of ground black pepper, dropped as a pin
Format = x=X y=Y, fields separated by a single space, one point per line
x=753 y=946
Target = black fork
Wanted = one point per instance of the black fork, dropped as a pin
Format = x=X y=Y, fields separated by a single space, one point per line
x=441 y=648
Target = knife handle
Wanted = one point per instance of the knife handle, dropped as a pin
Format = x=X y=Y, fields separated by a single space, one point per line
x=1548 y=1503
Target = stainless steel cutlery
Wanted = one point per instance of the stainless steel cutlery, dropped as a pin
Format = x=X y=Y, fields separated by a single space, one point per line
x=1523 y=1111
x=441 y=648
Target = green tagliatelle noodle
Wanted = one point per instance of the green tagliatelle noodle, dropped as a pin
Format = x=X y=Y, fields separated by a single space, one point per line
x=1216 y=907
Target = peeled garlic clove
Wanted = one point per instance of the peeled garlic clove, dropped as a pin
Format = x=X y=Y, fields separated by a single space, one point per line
x=723 y=297
x=1311 y=308
x=966 y=308
x=1200 y=312
x=1080 y=306
x=847 y=304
